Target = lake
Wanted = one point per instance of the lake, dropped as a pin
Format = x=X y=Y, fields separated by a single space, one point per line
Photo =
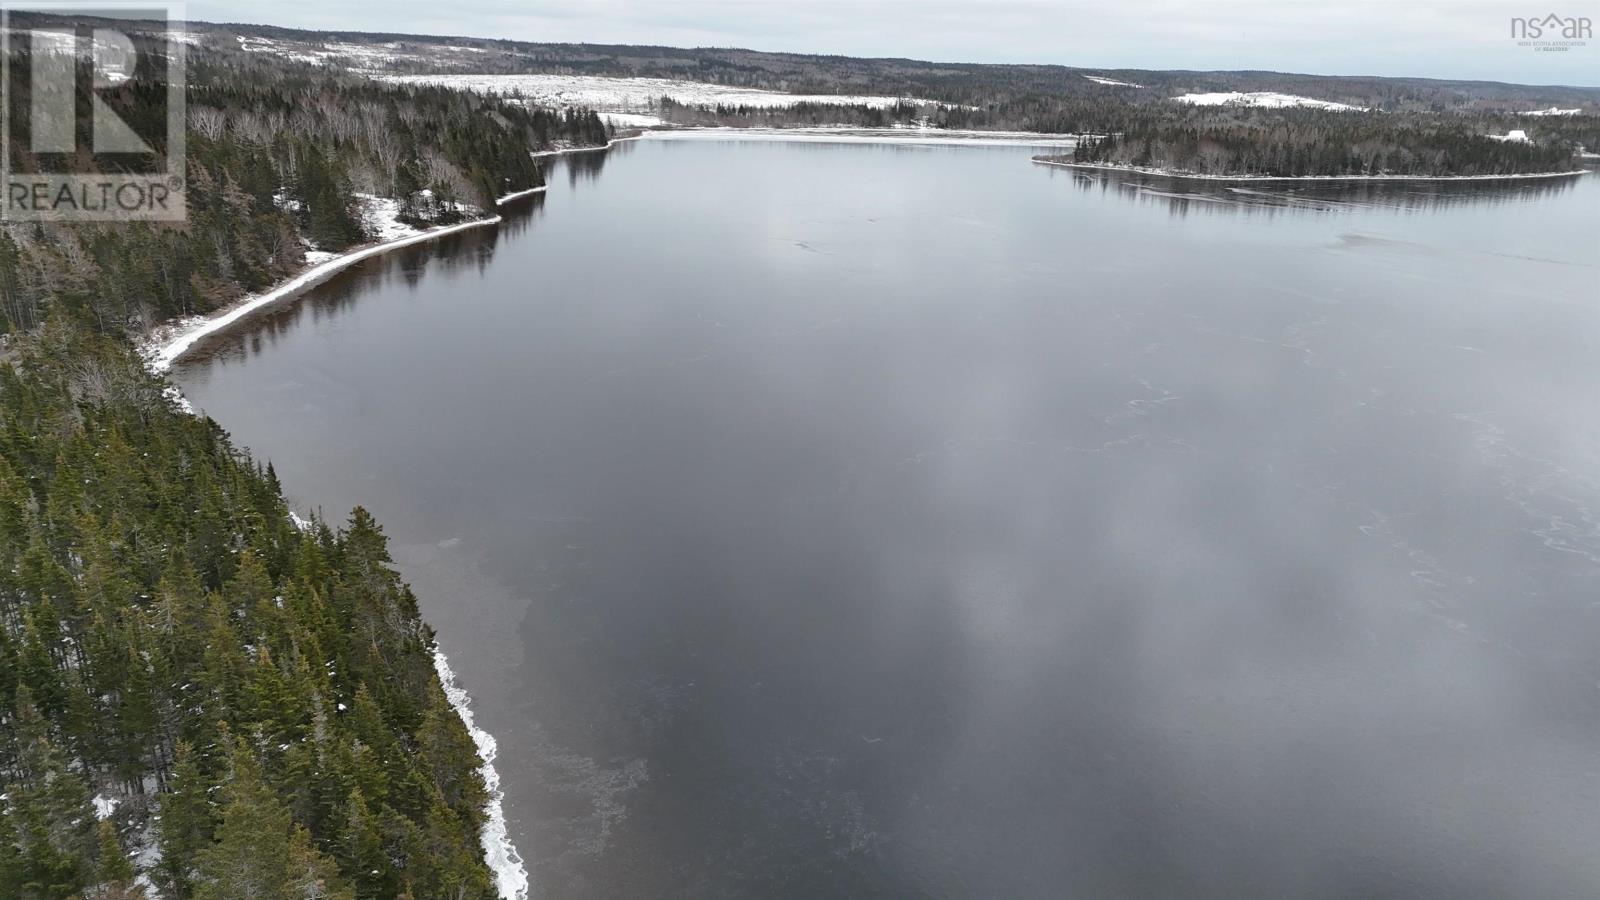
x=867 y=520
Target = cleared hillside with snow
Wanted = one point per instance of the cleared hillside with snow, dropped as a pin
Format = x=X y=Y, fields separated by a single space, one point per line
x=1111 y=82
x=1270 y=99
x=631 y=95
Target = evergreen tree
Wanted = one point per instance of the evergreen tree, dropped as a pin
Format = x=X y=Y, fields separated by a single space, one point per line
x=259 y=853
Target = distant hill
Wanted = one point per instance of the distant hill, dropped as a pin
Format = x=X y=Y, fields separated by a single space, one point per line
x=971 y=83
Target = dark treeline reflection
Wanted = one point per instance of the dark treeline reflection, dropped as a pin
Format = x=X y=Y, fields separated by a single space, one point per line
x=446 y=257
x=586 y=165
x=1183 y=196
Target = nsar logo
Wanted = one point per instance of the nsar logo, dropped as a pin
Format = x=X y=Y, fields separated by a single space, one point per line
x=1552 y=32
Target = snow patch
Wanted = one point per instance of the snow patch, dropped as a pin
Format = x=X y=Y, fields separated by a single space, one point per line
x=562 y=151
x=104 y=806
x=357 y=55
x=1553 y=111
x=630 y=120
x=1111 y=82
x=177 y=399
x=1266 y=99
x=146 y=856
x=518 y=194
x=511 y=876
x=930 y=137
x=382 y=218
x=1514 y=136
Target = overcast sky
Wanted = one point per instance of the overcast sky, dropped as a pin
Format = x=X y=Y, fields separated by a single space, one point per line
x=1434 y=38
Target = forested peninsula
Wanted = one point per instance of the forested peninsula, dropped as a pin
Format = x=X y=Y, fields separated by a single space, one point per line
x=1312 y=143
x=201 y=696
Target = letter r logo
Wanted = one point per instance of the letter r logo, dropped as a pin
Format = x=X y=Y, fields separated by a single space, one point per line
x=54 y=88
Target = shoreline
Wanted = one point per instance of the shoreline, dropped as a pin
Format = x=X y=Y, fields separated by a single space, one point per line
x=1194 y=176
x=499 y=853
x=545 y=154
x=161 y=351
x=170 y=341
x=518 y=195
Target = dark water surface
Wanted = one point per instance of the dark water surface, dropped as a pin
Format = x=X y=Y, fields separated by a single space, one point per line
x=818 y=520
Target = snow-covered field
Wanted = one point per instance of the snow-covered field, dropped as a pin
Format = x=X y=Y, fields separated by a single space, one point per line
x=1111 y=82
x=1552 y=111
x=630 y=120
x=349 y=55
x=1270 y=99
x=629 y=95
x=925 y=137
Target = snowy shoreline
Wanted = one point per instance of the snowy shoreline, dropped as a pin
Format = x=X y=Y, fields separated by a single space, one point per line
x=1167 y=173
x=166 y=349
x=518 y=195
x=171 y=342
x=545 y=154
x=510 y=874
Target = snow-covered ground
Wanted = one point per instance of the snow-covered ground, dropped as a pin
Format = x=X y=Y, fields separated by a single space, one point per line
x=563 y=151
x=630 y=120
x=927 y=137
x=630 y=95
x=1552 y=111
x=1111 y=82
x=104 y=806
x=354 y=56
x=110 y=61
x=1270 y=99
x=1515 y=136
x=382 y=216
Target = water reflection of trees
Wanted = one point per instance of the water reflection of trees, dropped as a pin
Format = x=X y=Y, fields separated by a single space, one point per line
x=1183 y=196
x=410 y=266
x=444 y=257
x=584 y=165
